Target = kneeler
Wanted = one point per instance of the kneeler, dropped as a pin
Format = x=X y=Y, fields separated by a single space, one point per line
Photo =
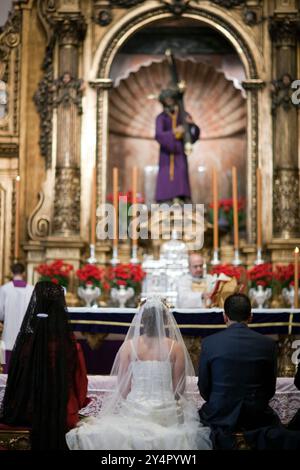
x=14 y=438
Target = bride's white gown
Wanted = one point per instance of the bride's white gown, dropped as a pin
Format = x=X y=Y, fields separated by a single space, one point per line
x=149 y=418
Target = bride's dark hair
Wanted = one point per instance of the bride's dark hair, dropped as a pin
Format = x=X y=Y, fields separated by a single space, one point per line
x=41 y=371
x=150 y=326
x=155 y=320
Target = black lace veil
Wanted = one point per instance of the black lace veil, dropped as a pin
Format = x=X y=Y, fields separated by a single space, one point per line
x=42 y=369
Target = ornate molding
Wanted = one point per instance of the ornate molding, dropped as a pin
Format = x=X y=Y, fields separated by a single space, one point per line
x=69 y=29
x=9 y=150
x=67 y=91
x=284 y=29
x=101 y=83
x=252 y=166
x=176 y=7
x=103 y=17
x=286 y=203
x=43 y=99
x=103 y=10
x=10 y=35
x=197 y=11
x=281 y=93
x=66 y=219
x=39 y=227
x=255 y=84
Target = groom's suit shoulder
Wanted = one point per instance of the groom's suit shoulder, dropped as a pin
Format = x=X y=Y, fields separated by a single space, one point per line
x=236 y=331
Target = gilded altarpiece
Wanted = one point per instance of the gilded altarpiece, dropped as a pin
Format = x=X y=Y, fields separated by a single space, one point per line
x=54 y=127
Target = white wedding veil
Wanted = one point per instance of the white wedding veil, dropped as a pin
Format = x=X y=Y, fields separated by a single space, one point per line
x=152 y=336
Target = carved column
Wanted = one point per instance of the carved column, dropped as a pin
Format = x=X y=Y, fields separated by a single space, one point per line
x=252 y=87
x=102 y=87
x=69 y=30
x=286 y=213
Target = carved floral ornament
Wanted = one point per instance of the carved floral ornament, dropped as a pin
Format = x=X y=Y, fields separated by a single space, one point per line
x=68 y=90
x=281 y=93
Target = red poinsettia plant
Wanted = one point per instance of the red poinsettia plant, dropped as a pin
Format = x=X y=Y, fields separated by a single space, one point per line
x=57 y=272
x=128 y=275
x=261 y=275
x=284 y=276
x=225 y=211
x=228 y=270
x=90 y=274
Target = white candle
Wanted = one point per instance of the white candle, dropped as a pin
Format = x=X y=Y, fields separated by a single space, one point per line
x=17 y=220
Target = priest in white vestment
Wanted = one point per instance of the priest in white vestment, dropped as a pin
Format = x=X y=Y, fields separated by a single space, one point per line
x=14 y=299
x=195 y=288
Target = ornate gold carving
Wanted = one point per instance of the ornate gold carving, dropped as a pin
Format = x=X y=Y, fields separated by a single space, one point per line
x=176 y=7
x=68 y=90
x=195 y=11
x=10 y=69
x=10 y=35
x=286 y=203
x=284 y=30
x=9 y=150
x=103 y=17
x=43 y=99
x=38 y=227
x=69 y=30
x=281 y=92
x=66 y=220
x=251 y=221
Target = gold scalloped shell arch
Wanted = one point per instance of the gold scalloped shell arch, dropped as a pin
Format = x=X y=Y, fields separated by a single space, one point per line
x=211 y=99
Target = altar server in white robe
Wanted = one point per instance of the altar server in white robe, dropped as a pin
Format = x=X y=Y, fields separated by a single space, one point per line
x=14 y=299
x=195 y=288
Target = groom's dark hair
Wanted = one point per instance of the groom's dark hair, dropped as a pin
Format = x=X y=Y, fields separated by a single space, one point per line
x=237 y=307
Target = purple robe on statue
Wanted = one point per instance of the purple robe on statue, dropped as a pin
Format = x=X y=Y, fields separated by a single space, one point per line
x=166 y=187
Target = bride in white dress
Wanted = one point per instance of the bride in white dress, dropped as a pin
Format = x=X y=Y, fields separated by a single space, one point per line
x=150 y=407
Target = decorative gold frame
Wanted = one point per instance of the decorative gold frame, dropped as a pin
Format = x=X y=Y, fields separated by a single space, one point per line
x=243 y=42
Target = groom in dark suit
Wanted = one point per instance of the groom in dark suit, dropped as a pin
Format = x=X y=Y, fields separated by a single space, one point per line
x=237 y=375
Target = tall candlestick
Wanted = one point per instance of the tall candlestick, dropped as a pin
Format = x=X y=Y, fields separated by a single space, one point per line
x=116 y=206
x=134 y=201
x=235 y=209
x=296 y=278
x=258 y=209
x=93 y=207
x=215 y=209
x=17 y=220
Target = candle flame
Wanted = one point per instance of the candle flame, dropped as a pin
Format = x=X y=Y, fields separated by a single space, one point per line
x=296 y=249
